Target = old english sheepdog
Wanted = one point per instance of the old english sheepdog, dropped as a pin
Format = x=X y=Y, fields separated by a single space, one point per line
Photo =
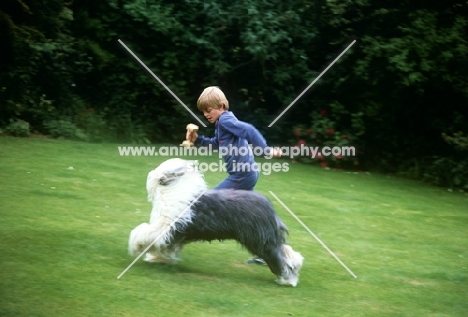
x=178 y=218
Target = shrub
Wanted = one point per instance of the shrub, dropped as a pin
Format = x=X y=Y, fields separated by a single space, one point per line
x=121 y=127
x=18 y=128
x=447 y=172
x=458 y=140
x=64 y=129
x=450 y=170
x=93 y=125
x=333 y=127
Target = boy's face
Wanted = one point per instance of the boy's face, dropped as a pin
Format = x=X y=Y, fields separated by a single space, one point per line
x=212 y=114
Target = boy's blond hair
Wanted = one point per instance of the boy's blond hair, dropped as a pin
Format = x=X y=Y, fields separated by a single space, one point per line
x=212 y=97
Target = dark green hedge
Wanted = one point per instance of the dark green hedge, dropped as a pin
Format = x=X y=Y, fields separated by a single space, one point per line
x=393 y=95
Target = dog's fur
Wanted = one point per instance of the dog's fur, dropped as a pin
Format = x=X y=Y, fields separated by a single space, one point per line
x=177 y=218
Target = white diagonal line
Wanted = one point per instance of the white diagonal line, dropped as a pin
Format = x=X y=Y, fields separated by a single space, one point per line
x=160 y=81
x=313 y=235
x=160 y=235
x=294 y=101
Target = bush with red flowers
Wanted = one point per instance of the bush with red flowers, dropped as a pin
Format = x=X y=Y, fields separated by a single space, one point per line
x=332 y=127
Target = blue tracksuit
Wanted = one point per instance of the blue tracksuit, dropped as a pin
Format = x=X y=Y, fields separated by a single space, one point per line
x=232 y=138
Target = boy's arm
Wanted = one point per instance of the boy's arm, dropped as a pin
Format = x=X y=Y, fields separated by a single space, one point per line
x=243 y=129
x=247 y=131
x=201 y=140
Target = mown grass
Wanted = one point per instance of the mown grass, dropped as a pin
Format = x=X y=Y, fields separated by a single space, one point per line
x=67 y=208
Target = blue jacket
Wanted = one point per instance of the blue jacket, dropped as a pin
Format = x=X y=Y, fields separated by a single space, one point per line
x=232 y=138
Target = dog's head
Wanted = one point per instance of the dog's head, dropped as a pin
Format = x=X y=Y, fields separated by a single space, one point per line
x=168 y=173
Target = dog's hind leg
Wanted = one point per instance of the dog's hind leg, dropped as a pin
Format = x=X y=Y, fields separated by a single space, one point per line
x=284 y=262
x=292 y=263
x=272 y=255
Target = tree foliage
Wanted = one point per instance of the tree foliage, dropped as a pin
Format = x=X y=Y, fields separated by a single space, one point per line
x=407 y=76
x=395 y=93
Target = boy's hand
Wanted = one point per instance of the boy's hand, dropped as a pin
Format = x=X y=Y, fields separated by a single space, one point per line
x=277 y=152
x=191 y=136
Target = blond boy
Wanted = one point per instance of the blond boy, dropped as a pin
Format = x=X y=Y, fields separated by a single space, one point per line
x=232 y=137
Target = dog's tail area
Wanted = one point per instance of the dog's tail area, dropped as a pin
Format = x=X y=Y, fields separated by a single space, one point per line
x=281 y=226
x=292 y=264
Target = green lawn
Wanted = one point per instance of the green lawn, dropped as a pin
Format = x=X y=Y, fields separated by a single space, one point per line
x=67 y=209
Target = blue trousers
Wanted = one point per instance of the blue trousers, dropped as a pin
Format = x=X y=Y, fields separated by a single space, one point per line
x=246 y=181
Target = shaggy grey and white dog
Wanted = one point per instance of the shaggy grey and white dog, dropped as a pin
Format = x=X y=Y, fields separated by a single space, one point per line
x=177 y=218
